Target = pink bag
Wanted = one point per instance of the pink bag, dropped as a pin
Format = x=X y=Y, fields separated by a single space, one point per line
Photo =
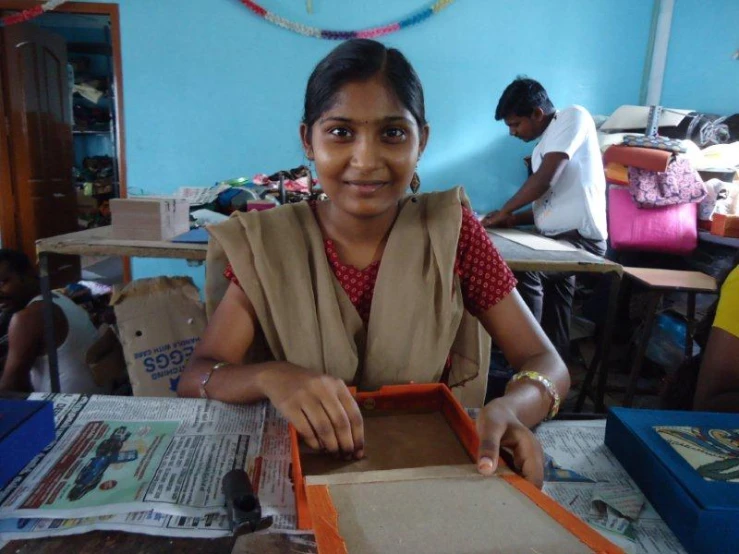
x=672 y=229
x=680 y=184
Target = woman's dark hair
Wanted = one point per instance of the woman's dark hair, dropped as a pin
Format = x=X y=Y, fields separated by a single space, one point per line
x=359 y=60
x=521 y=98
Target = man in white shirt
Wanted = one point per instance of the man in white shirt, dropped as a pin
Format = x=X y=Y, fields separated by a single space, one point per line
x=26 y=367
x=566 y=189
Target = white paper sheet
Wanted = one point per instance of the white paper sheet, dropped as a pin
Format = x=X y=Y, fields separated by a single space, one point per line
x=530 y=240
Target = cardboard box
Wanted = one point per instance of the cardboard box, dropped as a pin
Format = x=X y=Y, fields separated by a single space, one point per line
x=26 y=428
x=418 y=490
x=725 y=225
x=149 y=218
x=687 y=465
x=160 y=321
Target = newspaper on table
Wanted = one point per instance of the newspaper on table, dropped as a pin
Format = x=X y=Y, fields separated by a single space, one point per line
x=148 y=465
x=183 y=447
x=586 y=478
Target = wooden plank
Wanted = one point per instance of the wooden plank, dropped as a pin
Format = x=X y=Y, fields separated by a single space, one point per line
x=99 y=242
x=521 y=258
x=532 y=240
x=672 y=279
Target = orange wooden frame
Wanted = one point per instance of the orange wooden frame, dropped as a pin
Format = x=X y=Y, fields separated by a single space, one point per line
x=431 y=397
x=316 y=509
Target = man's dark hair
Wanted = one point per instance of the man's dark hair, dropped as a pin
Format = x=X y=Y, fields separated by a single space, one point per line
x=521 y=98
x=17 y=261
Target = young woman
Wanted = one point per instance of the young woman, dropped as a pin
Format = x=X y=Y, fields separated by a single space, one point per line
x=373 y=286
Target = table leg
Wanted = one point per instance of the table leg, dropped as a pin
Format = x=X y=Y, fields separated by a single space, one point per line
x=652 y=303
x=588 y=381
x=49 y=338
x=599 y=363
x=690 y=326
x=606 y=341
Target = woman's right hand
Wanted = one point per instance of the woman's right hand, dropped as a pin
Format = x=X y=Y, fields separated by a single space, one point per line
x=320 y=407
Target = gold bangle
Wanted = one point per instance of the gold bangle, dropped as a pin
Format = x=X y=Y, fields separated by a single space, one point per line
x=545 y=382
x=207 y=376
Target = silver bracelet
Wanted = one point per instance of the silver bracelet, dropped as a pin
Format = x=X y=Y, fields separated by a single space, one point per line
x=207 y=376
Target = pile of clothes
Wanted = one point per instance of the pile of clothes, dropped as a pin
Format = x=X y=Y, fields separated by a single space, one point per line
x=95 y=176
x=658 y=177
x=91 y=118
x=95 y=181
x=92 y=90
x=259 y=193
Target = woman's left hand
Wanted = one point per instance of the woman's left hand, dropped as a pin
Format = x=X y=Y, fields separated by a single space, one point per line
x=499 y=427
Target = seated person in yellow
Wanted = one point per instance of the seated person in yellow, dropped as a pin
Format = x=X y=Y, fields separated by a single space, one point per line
x=718 y=379
x=373 y=286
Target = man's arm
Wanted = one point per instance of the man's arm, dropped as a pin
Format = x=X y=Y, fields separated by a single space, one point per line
x=24 y=346
x=537 y=184
x=525 y=217
x=534 y=188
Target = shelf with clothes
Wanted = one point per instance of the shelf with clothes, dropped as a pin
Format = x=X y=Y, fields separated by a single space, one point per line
x=94 y=118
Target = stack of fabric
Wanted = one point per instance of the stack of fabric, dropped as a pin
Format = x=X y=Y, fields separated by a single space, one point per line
x=711 y=145
x=653 y=195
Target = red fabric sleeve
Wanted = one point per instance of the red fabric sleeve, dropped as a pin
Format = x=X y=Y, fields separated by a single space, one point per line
x=485 y=278
x=229 y=274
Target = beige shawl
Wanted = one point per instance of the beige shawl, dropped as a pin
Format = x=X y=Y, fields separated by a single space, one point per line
x=417 y=317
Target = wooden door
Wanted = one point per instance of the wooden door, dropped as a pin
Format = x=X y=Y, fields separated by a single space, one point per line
x=37 y=106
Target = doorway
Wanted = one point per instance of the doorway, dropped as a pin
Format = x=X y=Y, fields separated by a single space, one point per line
x=62 y=98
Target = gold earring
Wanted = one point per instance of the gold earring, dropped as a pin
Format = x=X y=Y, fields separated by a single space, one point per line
x=415 y=182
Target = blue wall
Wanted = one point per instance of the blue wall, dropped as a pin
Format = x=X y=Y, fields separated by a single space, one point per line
x=212 y=92
x=701 y=74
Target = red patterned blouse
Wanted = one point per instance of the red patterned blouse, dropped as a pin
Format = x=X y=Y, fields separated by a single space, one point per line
x=484 y=276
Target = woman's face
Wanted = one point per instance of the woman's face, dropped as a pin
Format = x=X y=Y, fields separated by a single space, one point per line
x=365 y=147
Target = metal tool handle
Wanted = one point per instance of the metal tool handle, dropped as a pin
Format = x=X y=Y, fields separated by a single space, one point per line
x=244 y=511
x=237 y=486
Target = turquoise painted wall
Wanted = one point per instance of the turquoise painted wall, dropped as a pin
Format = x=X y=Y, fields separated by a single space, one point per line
x=701 y=74
x=212 y=92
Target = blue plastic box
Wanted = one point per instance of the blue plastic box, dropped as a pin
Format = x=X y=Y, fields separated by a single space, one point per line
x=689 y=471
x=26 y=428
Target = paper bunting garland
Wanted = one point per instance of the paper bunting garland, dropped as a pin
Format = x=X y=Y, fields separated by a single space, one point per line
x=373 y=32
x=30 y=13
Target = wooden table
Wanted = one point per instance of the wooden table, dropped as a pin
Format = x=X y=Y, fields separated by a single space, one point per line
x=658 y=282
x=99 y=242
x=98 y=542
x=117 y=542
x=522 y=258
